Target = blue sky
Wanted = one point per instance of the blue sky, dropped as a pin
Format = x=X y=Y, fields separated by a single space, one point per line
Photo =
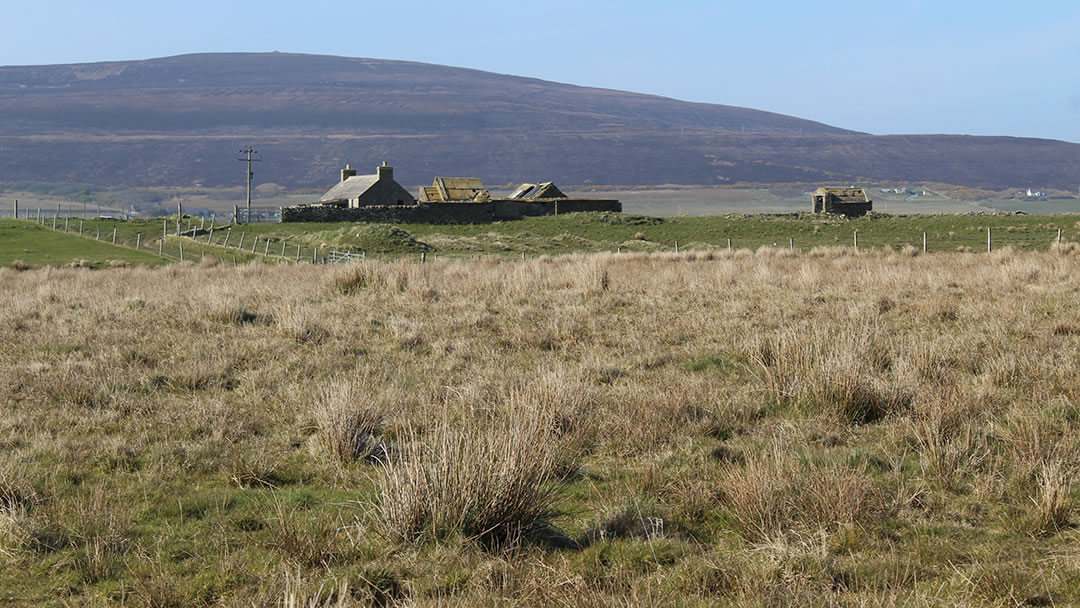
x=903 y=66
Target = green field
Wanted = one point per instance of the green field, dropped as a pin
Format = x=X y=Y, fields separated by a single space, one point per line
x=35 y=244
x=28 y=244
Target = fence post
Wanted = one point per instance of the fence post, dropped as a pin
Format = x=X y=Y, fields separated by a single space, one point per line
x=924 y=242
x=241 y=245
x=97 y=233
x=1059 y=236
x=138 y=239
x=179 y=214
x=80 y=227
x=159 y=243
x=228 y=233
x=791 y=243
x=164 y=229
x=16 y=216
x=729 y=244
x=423 y=257
x=210 y=237
x=254 y=243
x=114 y=236
x=676 y=247
x=315 y=256
x=298 y=254
x=266 y=247
x=856 y=233
x=39 y=215
x=54 y=222
x=989 y=246
x=202 y=223
x=282 y=248
x=181 y=251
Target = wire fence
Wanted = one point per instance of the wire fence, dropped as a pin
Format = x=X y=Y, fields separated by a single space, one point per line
x=87 y=211
x=197 y=239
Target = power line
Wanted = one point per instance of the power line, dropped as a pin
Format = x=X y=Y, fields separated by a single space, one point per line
x=250 y=157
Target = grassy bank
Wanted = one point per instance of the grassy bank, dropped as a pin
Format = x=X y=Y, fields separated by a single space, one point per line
x=752 y=428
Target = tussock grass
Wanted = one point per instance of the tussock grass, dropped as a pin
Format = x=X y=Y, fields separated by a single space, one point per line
x=752 y=427
x=492 y=484
x=771 y=494
x=348 y=428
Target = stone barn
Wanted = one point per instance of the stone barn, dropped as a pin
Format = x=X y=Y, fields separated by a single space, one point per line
x=379 y=189
x=850 y=202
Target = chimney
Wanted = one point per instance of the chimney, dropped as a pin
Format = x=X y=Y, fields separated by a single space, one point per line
x=347 y=172
x=385 y=171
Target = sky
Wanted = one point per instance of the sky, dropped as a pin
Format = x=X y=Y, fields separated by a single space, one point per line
x=899 y=66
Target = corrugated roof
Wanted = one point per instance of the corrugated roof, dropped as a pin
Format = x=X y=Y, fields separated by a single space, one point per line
x=351 y=188
x=541 y=190
x=446 y=189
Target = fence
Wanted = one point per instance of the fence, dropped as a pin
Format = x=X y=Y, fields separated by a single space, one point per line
x=66 y=209
x=194 y=239
x=86 y=211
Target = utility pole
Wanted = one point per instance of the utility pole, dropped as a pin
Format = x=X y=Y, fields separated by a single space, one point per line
x=249 y=153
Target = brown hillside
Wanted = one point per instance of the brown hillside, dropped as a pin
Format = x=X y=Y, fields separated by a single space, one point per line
x=179 y=120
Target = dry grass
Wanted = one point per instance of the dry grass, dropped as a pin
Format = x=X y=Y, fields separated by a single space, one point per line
x=772 y=494
x=748 y=427
x=491 y=483
x=348 y=428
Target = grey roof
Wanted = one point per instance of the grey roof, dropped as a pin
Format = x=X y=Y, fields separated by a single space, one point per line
x=541 y=190
x=351 y=188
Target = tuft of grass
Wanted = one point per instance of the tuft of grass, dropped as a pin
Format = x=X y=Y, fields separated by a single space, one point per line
x=634 y=519
x=1052 y=504
x=772 y=495
x=491 y=483
x=348 y=429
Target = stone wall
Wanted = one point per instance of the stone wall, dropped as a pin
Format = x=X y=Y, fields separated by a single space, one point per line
x=447 y=213
x=423 y=213
x=510 y=209
x=848 y=209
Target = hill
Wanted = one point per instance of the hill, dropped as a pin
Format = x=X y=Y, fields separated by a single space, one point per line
x=179 y=120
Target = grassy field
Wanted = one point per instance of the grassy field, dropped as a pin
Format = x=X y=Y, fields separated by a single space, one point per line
x=28 y=244
x=760 y=428
x=586 y=232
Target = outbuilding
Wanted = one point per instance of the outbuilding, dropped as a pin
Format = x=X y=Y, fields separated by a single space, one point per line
x=850 y=202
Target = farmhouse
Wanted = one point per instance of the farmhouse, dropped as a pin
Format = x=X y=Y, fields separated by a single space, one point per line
x=355 y=191
x=851 y=202
x=449 y=200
